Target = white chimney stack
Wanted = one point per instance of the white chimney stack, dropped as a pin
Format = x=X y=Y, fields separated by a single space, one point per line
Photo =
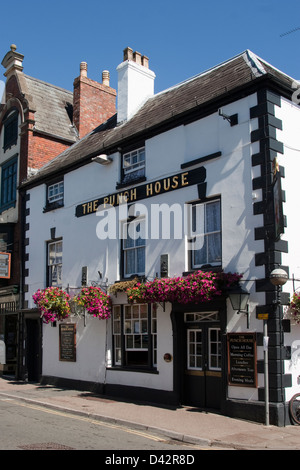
x=135 y=83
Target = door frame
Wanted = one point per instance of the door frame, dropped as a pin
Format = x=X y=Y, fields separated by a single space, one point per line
x=179 y=343
x=33 y=349
x=202 y=382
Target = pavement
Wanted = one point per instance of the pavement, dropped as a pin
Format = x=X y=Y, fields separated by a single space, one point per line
x=185 y=424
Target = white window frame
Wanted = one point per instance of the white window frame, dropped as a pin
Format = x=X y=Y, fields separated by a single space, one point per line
x=131 y=324
x=218 y=353
x=195 y=236
x=117 y=334
x=55 y=263
x=136 y=246
x=134 y=160
x=194 y=344
x=57 y=190
x=136 y=327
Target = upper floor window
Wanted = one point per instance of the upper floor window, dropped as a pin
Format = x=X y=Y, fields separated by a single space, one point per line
x=55 y=195
x=9 y=173
x=55 y=263
x=10 y=125
x=205 y=234
x=133 y=165
x=56 y=192
x=134 y=247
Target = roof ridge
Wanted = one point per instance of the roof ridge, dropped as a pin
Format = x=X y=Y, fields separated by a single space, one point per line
x=253 y=62
x=274 y=68
x=204 y=72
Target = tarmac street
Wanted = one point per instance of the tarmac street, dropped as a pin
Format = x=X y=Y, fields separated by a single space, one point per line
x=185 y=424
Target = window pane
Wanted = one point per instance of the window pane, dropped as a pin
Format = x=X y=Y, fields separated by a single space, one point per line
x=213 y=216
x=129 y=262
x=200 y=250
x=140 y=253
x=214 y=248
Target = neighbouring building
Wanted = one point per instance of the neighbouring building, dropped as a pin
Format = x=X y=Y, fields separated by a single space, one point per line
x=178 y=193
x=36 y=125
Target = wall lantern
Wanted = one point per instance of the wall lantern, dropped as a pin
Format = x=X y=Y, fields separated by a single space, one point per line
x=103 y=159
x=239 y=298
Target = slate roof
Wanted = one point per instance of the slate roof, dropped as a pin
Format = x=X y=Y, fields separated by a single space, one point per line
x=52 y=106
x=168 y=108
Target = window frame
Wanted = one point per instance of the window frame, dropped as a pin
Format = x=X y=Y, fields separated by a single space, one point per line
x=134 y=249
x=11 y=127
x=120 y=357
x=9 y=187
x=55 y=201
x=133 y=171
x=56 y=264
x=192 y=239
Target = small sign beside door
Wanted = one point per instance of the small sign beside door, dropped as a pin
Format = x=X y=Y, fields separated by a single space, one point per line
x=67 y=342
x=242 y=369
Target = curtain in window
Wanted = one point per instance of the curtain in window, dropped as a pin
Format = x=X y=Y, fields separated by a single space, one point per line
x=206 y=233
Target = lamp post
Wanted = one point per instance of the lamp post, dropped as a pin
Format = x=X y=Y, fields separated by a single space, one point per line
x=239 y=300
x=278 y=278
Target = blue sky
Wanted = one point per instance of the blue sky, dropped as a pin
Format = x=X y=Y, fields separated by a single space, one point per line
x=181 y=39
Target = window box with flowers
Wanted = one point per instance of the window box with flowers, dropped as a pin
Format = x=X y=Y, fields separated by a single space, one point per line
x=194 y=288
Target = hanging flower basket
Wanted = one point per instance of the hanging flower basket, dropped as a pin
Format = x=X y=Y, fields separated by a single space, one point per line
x=53 y=303
x=122 y=286
x=95 y=301
x=295 y=307
x=194 y=288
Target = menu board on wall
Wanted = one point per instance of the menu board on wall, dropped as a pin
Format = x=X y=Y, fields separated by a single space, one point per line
x=67 y=342
x=242 y=359
x=5 y=264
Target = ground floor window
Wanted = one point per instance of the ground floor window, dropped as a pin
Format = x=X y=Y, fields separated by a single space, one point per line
x=134 y=335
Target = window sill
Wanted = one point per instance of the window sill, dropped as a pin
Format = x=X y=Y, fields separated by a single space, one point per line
x=9 y=145
x=131 y=182
x=52 y=207
x=144 y=370
x=5 y=207
x=205 y=268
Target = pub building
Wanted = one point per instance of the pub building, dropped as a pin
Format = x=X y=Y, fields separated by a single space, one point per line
x=187 y=198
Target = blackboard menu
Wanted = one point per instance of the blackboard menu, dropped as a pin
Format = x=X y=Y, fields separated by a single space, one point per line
x=67 y=342
x=242 y=359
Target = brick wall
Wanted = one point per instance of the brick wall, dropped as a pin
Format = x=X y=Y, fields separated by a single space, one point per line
x=93 y=104
x=43 y=149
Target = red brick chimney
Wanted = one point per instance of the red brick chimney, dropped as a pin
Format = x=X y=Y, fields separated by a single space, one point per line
x=93 y=102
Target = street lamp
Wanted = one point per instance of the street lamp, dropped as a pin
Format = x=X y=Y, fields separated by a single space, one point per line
x=239 y=298
x=278 y=277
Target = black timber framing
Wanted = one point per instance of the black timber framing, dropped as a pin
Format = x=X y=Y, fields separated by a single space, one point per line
x=271 y=258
